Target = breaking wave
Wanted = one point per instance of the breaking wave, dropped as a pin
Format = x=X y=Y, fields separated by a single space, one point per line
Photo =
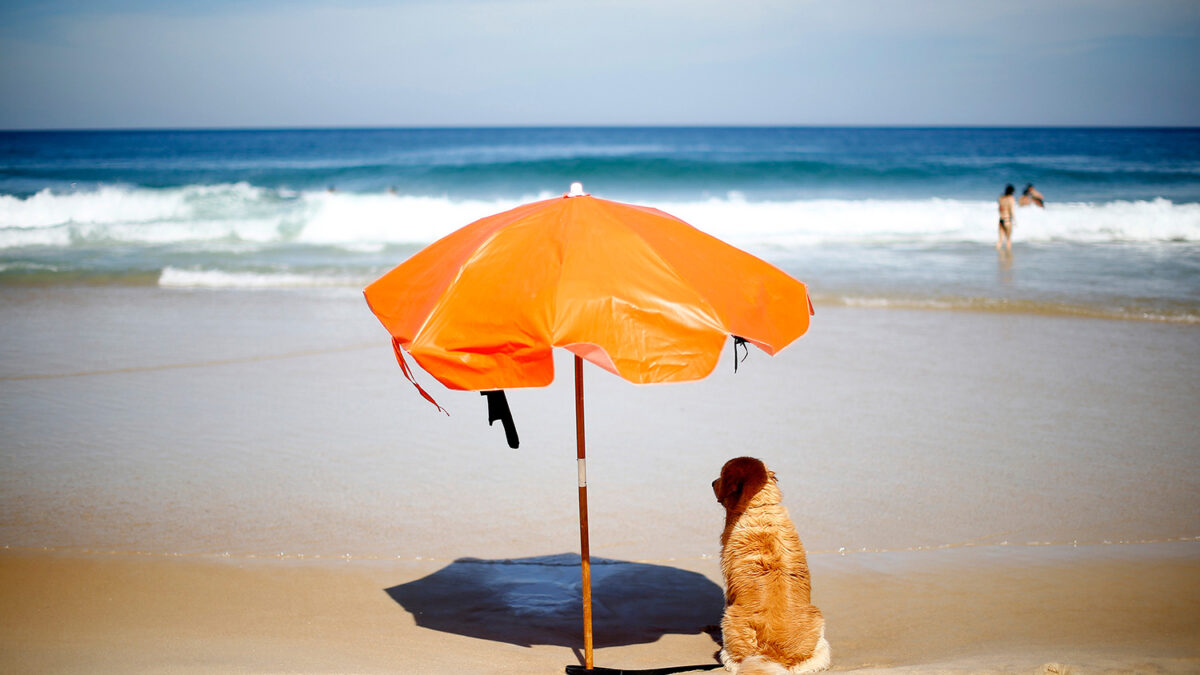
x=239 y=213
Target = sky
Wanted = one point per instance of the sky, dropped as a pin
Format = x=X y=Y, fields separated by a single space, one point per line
x=302 y=63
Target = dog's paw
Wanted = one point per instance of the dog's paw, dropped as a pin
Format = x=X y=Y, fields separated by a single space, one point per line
x=727 y=661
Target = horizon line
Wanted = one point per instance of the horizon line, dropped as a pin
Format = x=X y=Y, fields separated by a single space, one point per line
x=451 y=127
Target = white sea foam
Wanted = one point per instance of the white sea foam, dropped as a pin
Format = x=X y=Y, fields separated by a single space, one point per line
x=180 y=278
x=365 y=222
x=357 y=220
x=56 y=236
x=936 y=221
x=107 y=204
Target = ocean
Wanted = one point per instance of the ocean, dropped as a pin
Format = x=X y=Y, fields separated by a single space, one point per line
x=188 y=368
x=879 y=217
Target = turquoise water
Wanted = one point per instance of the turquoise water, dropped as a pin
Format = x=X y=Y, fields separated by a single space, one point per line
x=884 y=217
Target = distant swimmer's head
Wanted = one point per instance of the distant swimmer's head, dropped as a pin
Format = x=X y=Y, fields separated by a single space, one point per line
x=1028 y=187
x=1009 y=189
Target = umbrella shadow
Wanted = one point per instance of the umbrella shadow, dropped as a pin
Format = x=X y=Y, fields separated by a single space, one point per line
x=537 y=600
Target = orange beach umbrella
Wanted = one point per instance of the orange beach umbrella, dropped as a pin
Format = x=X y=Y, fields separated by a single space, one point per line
x=629 y=288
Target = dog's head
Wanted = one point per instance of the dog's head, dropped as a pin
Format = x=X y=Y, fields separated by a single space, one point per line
x=745 y=482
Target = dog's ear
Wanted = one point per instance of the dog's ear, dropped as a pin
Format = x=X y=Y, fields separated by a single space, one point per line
x=728 y=488
x=741 y=478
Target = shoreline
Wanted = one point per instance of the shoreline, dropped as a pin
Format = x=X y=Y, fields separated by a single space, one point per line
x=319 y=559
x=1112 y=309
x=993 y=609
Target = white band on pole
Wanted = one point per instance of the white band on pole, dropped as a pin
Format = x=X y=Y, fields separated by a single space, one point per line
x=582 y=472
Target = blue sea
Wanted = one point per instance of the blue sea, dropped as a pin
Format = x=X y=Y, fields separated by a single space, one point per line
x=882 y=217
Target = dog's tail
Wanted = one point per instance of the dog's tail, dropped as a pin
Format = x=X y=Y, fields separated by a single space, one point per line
x=820 y=658
x=760 y=665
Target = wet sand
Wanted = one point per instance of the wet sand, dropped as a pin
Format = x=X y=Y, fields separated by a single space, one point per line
x=240 y=482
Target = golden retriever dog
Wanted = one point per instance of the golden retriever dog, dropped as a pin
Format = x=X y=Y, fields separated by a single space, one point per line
x=770 y=625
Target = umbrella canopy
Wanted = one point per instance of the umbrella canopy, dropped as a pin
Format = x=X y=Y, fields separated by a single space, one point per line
x=629 y=288
x=634 y=290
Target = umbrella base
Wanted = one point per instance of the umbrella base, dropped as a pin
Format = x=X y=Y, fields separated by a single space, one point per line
x=580 y=670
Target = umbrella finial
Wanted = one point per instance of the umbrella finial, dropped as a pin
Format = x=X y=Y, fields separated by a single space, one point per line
x=576 y=190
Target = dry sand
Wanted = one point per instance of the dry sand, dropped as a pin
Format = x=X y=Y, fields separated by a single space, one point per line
x=242 y=482
x=1130 y=609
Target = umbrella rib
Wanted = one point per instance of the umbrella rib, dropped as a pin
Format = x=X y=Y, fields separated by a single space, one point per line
x=458 y=274
x=723 y=326
x=701 y=308
x=679 y=278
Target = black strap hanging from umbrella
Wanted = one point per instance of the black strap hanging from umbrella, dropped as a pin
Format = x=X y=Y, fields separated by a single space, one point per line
x=498 y=410
x=739 y=342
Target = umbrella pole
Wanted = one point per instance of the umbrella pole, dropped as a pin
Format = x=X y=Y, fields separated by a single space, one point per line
x=584 y=555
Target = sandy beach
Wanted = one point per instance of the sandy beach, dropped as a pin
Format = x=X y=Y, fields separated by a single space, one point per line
x=215 y=481
x=1132 y=609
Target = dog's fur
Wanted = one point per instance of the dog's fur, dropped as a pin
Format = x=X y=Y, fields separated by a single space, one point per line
x=770 y=624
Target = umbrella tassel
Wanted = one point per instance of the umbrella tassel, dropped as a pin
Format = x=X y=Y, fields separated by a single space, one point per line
x=409 y=375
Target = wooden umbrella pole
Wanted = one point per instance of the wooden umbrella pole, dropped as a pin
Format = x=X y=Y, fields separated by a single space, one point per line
x=584 y=554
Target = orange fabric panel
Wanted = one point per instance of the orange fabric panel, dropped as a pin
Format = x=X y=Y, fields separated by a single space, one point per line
x=630 y=288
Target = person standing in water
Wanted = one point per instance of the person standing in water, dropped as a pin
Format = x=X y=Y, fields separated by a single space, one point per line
x=1007 y=203
x=1032 y=196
